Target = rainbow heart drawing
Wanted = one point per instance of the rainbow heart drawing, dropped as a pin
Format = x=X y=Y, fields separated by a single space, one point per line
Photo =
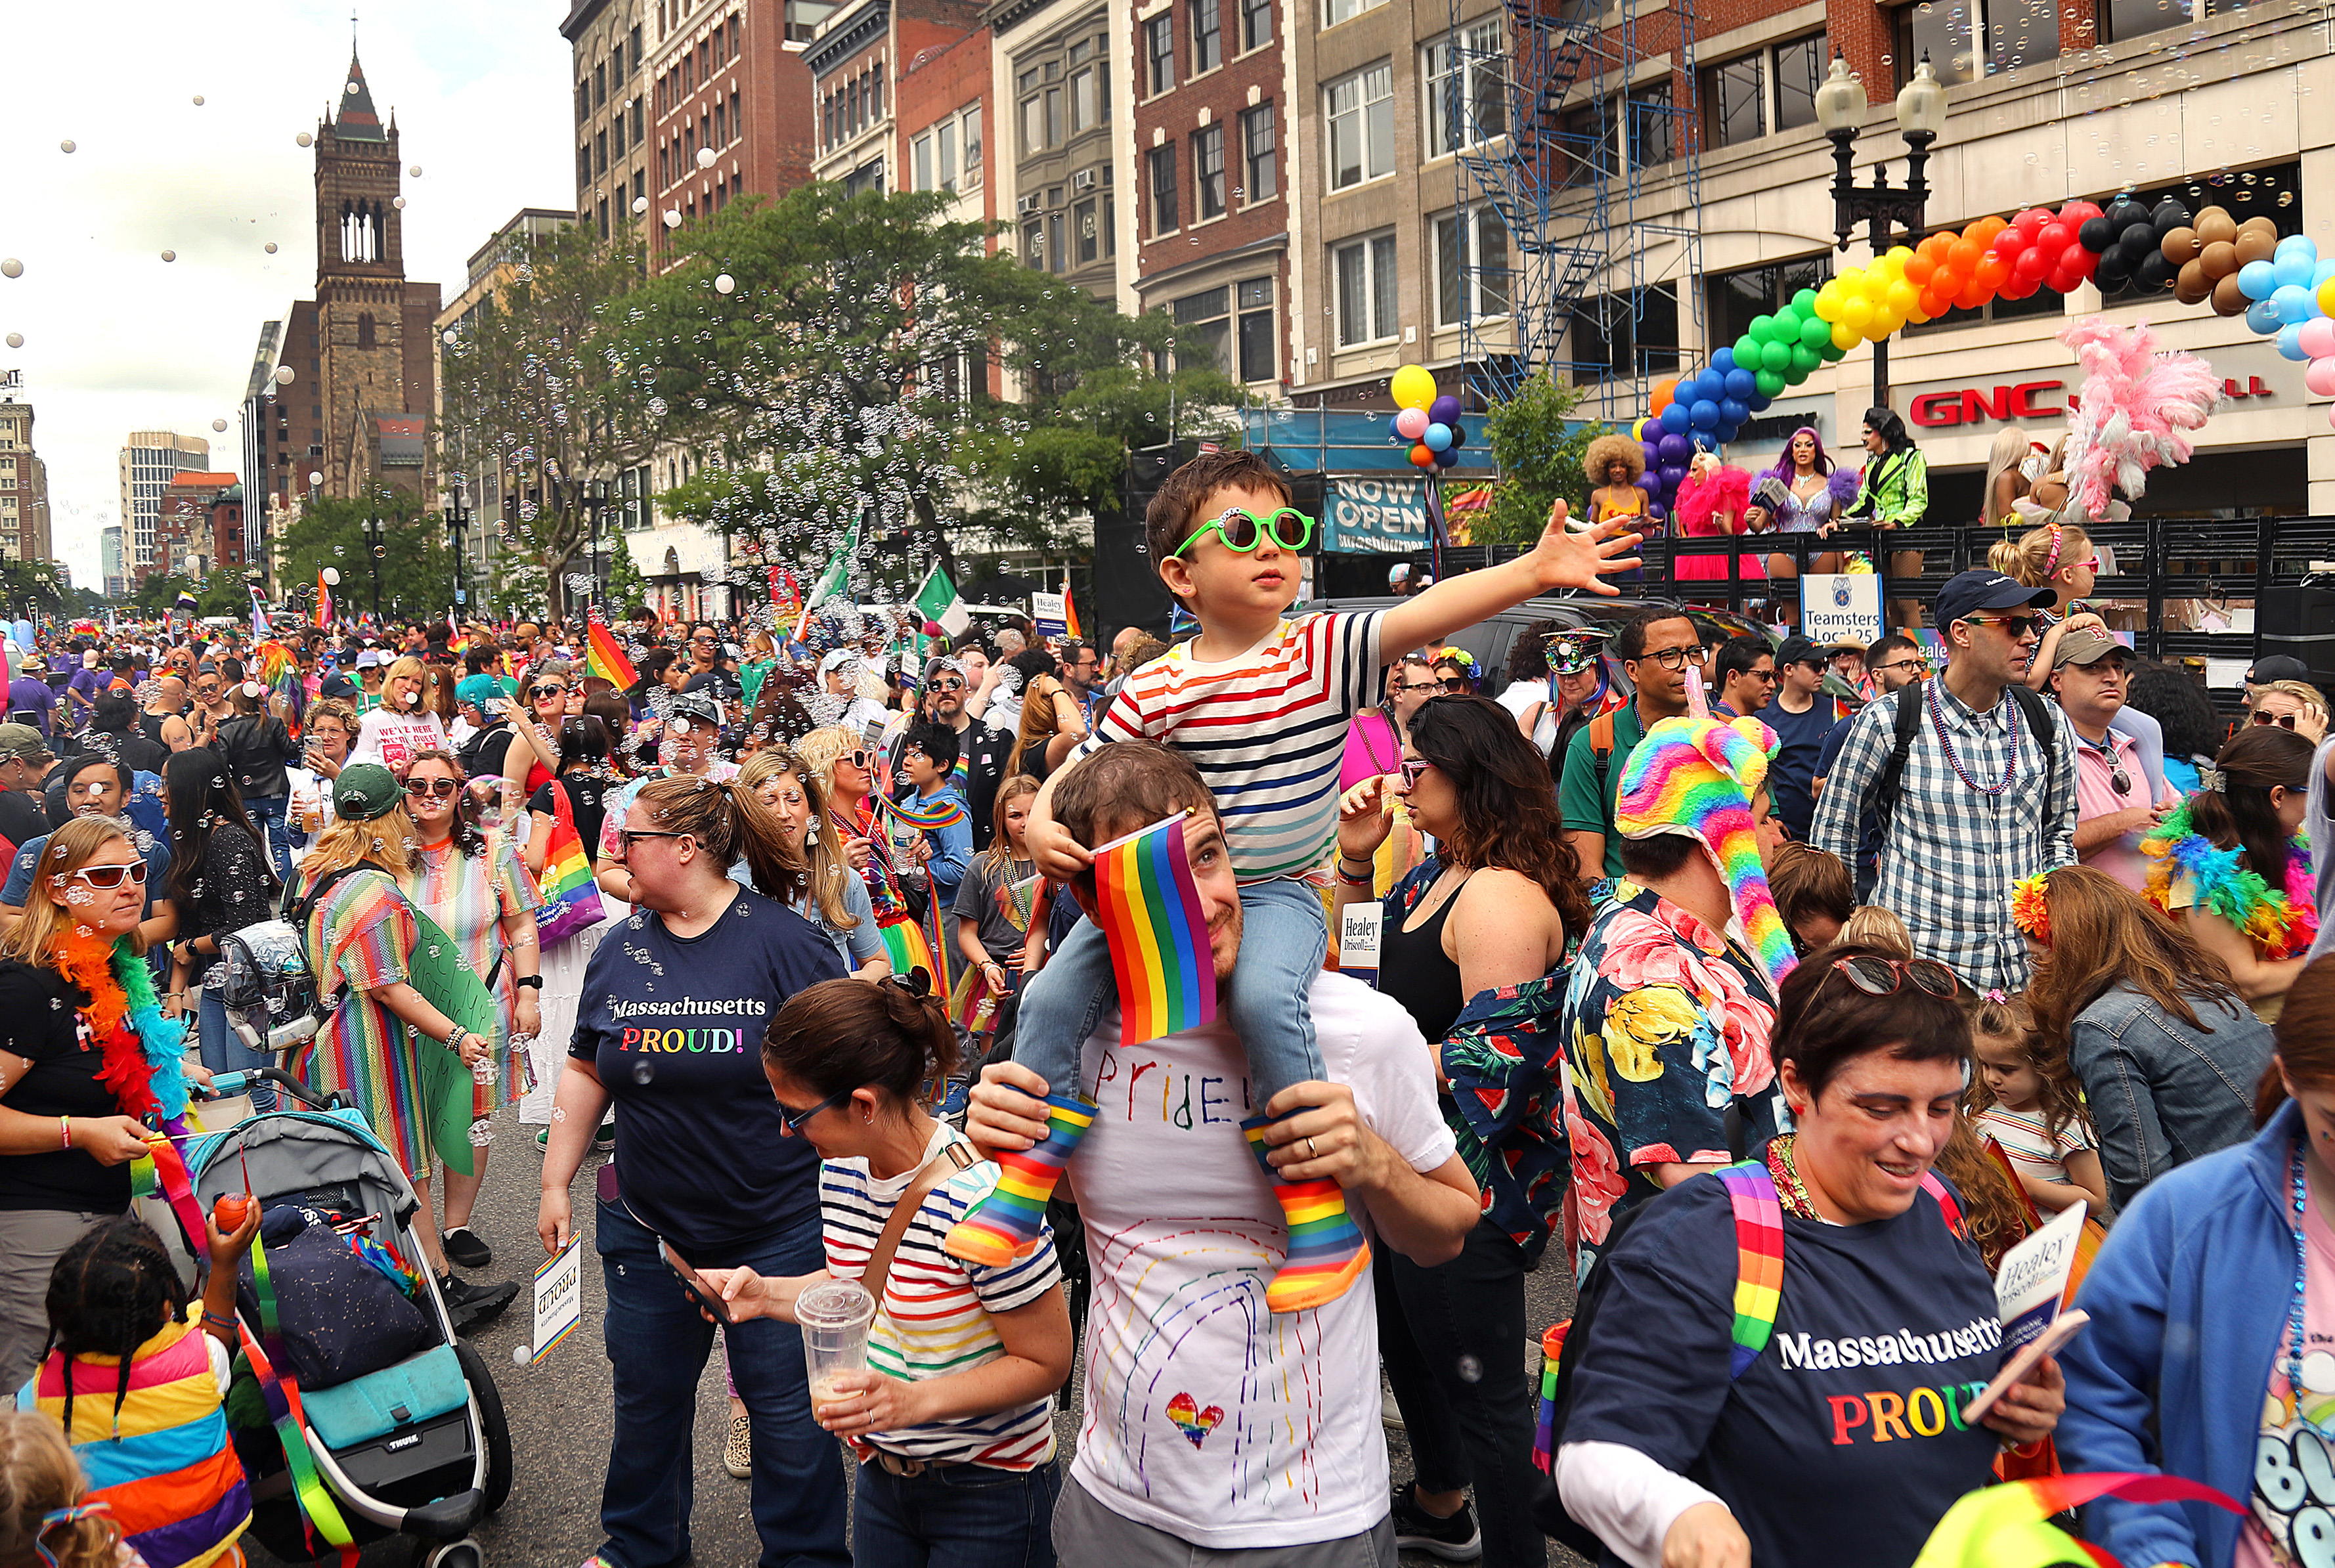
x=1191 y=1421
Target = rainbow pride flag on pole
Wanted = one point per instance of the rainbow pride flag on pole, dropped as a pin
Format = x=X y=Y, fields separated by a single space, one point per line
x=571 y=899
x=606 y=658
x=1149 y=909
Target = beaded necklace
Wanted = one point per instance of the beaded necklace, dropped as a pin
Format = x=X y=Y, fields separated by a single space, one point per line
x=2295 y=1308
x=2010 y=728
x=1792 y=1192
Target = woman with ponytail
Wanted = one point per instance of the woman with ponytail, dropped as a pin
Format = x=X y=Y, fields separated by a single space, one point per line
x=2229 y=865
x=676 y=1002
x=2063 y=557
x=85 y=1053
x=2211 y=1304
x=953 y=1421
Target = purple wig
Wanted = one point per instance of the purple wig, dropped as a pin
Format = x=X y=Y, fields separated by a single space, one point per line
x=1783 y=468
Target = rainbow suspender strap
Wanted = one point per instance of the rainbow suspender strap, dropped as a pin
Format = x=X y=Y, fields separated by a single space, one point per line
x=319 y=1515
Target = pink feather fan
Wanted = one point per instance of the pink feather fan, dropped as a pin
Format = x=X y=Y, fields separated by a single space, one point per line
x=2138 y=405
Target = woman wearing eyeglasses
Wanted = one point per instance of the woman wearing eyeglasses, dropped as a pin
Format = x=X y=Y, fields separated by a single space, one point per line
x=2229 y=865
x=843 y=767
x=835 y=898
x=361 y=938
x=1824 y=1423
x=221 y=882
x=676 y=1003
x=2296 y=705
x=1052 y=724
x=2149 y=1019
x=475 y=886
x=68 y=1130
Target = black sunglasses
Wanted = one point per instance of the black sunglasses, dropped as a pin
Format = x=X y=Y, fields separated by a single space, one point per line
x=422 y=788
x=792 y=1119
x=540 y=693
x=1881 y=976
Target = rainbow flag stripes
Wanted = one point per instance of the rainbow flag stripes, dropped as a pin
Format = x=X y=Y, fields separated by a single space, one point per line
x=1151 y=911
x=1004 y=1225
x=1551 y=1351
x=571 y=899
x=942 y=810
x=1758 y=1261
x=606 y=658
x=1326 y=1250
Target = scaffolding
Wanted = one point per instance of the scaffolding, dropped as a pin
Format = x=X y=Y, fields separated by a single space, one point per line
x=1557 y=137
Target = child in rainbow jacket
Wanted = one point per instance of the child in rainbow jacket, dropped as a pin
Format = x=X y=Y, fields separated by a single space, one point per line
x=1260 y=702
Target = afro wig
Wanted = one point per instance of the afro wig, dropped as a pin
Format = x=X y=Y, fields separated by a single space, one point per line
x=1605 y=451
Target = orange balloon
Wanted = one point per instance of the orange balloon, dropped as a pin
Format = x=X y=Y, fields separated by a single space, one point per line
x=2219 y=258
x=2228 y=298
x=2181 y=247
x=1964 y=254
x=1974 y=294
x=1991 y=273
x=1664 y=390
x=2215 y=225
x=1986 y=228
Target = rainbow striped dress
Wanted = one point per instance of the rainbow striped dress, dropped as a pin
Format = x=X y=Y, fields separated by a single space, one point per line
x=467 y=896
x=362 y=935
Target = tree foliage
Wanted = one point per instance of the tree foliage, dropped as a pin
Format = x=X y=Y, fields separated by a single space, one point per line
x=28 y=588
x=1538 y=447
x=415 y=564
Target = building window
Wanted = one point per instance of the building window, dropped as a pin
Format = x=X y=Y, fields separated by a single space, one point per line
x=1159 y=50
x=616 y=134
x=1615 y=335
x=599 y=152
x=1773 y=89
x=1209 y=172
x=1365 y=280
x=1258 y=147
x=1259 y=355
x=2128 y=19
x=633 y=54
x=1739 y=99
x=1336 y=11
x=1082 y=100
x=365 y=330
x=1257 y=24
x=599 y=85
x=1034 y=125
x=945 y=154
x=1034 y=244
x=1471 y=267
x=970 y=121
x=920 y=161
x=1163 y=190
x=1090 y=232
x=1467 y=89
x=2004 y=34
x=1054 y=117
x=583 y=101
x=1208 y=316
x=1733 y=298
x=1059 y=256
x=1207 y=35
x=1799 y=71
x=1361 y=112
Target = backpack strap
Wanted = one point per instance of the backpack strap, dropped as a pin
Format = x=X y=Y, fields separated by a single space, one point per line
x=1601 y=746
x=2038 y=714
x=1890 y=783
x=1936 y=1187
x=1759 y=1260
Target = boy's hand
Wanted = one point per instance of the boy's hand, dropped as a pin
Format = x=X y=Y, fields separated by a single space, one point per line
x=1007 y=1109
x=226 y=1249
x=1565 y=559
x=1058 y=856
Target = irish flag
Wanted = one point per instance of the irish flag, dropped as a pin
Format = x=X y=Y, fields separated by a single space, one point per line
x=606 y=659
x=1149 y=910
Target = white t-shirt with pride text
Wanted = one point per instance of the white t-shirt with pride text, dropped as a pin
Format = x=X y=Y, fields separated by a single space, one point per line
x=1267 y=729
x=394 y=739
x=1208 y=1417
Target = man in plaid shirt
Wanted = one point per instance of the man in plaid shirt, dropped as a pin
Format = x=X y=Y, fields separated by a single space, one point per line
x=1978 y=807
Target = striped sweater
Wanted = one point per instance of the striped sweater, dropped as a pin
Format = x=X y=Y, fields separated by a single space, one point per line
x=1267 y=731
x=936 y=1314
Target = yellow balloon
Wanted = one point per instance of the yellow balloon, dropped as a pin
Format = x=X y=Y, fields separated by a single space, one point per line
x=1413 y=387
x=1855 y=311
x=1903 y=299
x=1898 y=255
x=1876 y=287
x=2326 y=297
x=1637 y=430
x=1828 y=304
x=1851 y=281
x=1844 y=337
x=1882 y=323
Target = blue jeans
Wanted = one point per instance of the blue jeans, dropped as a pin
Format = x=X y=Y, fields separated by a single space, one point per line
x=223 y=1050
x=955 y=1516
x=267 y=815
x=1285 y=936
x=657 y=1345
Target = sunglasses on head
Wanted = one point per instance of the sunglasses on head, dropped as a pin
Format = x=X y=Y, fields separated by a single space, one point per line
x=1881 y=976
x=1242 y=530
x=109 y=876
x=422 y=789
x=2283 y=720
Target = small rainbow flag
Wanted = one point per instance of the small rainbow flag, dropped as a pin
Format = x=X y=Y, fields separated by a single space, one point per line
x=571 y=899
x=943 y=810
x=1151 y=911
x=606 y=659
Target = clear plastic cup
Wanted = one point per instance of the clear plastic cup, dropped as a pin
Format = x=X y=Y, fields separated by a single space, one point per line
x=835 y=1319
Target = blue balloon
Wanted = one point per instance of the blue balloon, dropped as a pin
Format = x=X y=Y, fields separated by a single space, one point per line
x=1674 y=418
x=1742 y=385
x=2290 y=343
x=2293 y=267
x=1732 y=413
x=2322 y=272
x=2294 y=303
x=1704 y=415
x=1394 y=434
x=1437 y=438
x=1723 y=362
x=2295 y=245
x=2256 y=279
x=1447 y=459
x=1721 y=436
x=1759 y=402
x=1675 y=448
x=2262 y=318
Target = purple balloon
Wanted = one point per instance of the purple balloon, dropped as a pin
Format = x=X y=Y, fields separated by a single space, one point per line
x=1671 y=475
x=1654 y=449
x=1658 y=512
x=1444 y=411
x=1676 y=448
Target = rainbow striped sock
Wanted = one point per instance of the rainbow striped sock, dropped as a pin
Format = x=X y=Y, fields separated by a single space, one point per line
x=1004 y=1225
x=1326 y=1253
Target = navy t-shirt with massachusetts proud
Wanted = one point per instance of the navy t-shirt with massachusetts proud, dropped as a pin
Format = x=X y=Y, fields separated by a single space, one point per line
x=1843 y=1443
x=674 y=1027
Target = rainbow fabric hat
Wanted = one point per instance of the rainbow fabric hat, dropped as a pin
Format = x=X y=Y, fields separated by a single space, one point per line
x=1696 y=777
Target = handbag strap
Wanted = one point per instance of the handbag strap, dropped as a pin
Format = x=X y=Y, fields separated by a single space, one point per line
x=949 y=1162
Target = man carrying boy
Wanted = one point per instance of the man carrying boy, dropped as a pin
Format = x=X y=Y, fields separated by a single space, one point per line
x=1260 y=704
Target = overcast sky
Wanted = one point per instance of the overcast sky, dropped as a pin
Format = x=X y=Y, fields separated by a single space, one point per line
x=116 y=339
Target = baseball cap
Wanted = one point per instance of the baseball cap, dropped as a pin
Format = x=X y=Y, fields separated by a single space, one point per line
x=699 y=707
x=479 y=690
x=364 y=791
x=368 y=660
x=1965 y=594
x=2085 y=646
x=2277 y=667
x=337 y=684
x=1799 y=650
x=22 y=742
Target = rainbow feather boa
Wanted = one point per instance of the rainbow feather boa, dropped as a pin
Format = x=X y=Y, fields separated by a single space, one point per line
x=141 y=1063
x=2278 y=925
x=1700 y=774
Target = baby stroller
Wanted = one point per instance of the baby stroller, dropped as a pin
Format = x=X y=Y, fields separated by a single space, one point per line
x=417 y=1447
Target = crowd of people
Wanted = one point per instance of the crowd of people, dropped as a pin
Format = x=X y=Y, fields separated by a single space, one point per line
x=797 y=942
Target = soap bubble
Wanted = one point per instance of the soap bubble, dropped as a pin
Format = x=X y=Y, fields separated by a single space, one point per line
x=16 y=340
x=522 y=1355
x=643 y=1072
x=270 y=248
x=66 y=145
x=672 y=217
x=640 y=203
x=314 y=477
x=397 y=202
x=354 y=89
x=170 y=256
x=218 y=424
x=1472 y=1370
x=12 y=267
x=304 y=139
x=284 y=375
x=414 y=170
x=724 y=284
x=482 y=1133
x=198 y=101
x=705 y=157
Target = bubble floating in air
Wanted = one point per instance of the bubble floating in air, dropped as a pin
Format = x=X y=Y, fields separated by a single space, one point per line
x=283 y=375
x=198 y=101
x=218 y=424
x=397 y=202
x=705 y=156
x=66 y=145
x=725 y=283
x=522 y=1355
x=304 y=139
x=640 y=203
x=672 y=217
x=16 y=340
x=414 y=170
x=170 y=256
x=270 y=248
x=12 y=267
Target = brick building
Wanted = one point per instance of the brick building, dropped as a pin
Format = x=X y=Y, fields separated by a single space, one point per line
x=24 y=486
x=149 y=461
x=198 y=525
x=1210 y=98
x=612 y=113
x=729 y=99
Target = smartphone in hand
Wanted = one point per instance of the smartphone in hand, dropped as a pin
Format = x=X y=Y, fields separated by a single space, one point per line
x=702 y=1293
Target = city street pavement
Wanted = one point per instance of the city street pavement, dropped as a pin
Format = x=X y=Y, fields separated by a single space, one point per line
x=559 y=1411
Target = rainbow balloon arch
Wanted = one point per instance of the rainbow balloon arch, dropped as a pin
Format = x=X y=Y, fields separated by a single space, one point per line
x=2281 y=286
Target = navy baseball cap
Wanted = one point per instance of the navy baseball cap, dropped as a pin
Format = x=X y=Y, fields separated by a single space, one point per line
x=1799 y=650
x=1964 y=596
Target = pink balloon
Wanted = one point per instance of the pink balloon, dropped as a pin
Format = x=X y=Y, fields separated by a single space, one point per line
x=1412 y=424
x=2318 y=337
x=2318 y=375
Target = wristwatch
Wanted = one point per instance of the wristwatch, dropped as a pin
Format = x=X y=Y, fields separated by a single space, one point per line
x=534 y=980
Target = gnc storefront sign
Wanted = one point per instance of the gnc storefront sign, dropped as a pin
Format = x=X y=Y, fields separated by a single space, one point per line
x=2250 y=378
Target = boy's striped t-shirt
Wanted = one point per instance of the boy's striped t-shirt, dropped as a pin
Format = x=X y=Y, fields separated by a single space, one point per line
x=935 y=1317
x=1266 y=730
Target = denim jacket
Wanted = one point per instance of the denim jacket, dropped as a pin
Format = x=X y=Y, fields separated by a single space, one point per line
x=2163 y=1092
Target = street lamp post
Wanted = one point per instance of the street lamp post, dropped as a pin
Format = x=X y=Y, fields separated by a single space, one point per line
x=458 y=519
x=374 y=549
x=1921 y=117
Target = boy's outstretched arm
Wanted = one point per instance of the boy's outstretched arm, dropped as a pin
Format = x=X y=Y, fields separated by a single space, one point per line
x=1561 y=560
